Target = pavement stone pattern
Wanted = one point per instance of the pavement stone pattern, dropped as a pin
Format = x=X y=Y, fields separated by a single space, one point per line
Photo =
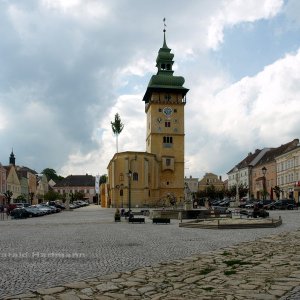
x=145 y=261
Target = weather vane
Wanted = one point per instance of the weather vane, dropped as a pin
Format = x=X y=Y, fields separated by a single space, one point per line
x=164 y=20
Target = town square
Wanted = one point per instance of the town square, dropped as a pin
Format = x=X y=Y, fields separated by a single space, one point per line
x=150 y=150
x=84 y=254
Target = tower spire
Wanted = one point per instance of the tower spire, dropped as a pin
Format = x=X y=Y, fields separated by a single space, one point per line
x=12 y=159
x=165 y=25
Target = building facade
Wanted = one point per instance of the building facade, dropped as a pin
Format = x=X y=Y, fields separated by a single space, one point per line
x=288 y=173
x=72 y=184
x=211 y=179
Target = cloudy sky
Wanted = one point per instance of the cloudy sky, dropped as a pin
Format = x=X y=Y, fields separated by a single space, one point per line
x=67 y=66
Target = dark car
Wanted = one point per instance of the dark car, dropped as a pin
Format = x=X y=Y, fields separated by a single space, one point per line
x=19 y=213
x=285 y=204
x=265 y=203
x=247 y=204
x=33 y=212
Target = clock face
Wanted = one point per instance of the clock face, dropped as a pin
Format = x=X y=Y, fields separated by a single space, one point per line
x=168 y=111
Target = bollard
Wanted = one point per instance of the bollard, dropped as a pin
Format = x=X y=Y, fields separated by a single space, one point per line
x=180 y=216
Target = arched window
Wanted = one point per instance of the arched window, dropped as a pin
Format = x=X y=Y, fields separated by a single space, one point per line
x=135 y=176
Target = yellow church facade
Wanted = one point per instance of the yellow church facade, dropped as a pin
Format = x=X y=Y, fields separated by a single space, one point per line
x=153 y=177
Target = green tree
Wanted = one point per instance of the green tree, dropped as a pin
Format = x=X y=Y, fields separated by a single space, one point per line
x=117 y=127
x=51 y=196
x=103 y=179
x=79 y=195
x=21 y=199
x=51 y=174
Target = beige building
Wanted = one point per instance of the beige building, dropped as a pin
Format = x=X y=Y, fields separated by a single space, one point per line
x=72 y=184
x=266 y=182
x=13 y=182
x=288 y=173
x=155 y=176
x=210 y=179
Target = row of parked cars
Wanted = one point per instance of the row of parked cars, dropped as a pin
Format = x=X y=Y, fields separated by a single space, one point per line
x=270 y=204
x=221 y=202
x=25 y=210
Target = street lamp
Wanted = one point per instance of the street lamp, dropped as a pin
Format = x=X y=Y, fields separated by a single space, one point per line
x=129 y=190
x=121 y=193
x=264 y=171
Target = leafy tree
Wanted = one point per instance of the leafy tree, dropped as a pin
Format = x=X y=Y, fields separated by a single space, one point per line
x=117 y=127
x=51 y=196
x=103 y=178
x=21 y=199
x=79 y=195
x=242 y=190
x=51 y=174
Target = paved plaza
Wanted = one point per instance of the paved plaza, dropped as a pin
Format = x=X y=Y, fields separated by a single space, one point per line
x=74 y=246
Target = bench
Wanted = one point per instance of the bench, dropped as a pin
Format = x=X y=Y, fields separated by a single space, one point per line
x=161 y=220
x=136 y=220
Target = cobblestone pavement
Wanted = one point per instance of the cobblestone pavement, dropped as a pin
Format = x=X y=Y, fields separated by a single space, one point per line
x=55 y=255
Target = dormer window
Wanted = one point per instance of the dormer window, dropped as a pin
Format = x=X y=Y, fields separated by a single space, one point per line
x=168 y=67
x=163 y=66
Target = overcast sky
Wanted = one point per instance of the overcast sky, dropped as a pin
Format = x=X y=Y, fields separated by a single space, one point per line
x=67 y=66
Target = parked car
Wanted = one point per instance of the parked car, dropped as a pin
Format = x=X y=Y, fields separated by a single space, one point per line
x=43 y=208
x=34 y=212
x=264 y=203
x=247 y=204
x=21 y=205
x=285 y=204
x=19 y=213
x=221 y=209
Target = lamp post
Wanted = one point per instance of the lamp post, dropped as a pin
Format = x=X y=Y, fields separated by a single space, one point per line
x=129 y=190
x=129 y=181
x=264 y=171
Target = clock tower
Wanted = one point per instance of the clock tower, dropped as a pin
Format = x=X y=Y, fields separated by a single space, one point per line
x=165 y=99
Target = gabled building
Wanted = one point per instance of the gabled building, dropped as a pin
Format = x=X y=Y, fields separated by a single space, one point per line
x=265 y=183
x=241 y=174
x=12 y=181
x=28 y=180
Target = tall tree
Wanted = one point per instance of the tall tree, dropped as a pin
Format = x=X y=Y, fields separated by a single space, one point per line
x=117 y=127
x=103 y=178
x=51 y=174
